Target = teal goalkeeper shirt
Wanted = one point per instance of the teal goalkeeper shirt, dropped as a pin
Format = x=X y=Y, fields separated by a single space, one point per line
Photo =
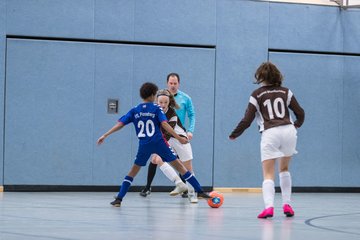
x=186 y=106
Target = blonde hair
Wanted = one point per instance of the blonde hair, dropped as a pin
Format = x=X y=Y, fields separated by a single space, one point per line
x=165 y=92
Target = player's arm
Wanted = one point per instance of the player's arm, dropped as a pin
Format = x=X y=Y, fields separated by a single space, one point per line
x=298 y=111
x=115 y=128
x=172 y=124
x=170 y=130
x=191 y=115
x=245 y=122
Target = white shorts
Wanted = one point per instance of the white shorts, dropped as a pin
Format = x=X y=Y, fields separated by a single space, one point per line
x=278 y=142
x=184 y=151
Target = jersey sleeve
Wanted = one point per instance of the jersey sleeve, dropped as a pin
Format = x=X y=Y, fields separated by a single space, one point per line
x=191 y=114
x=245 y=122
x=298 y=111
x=127 y=118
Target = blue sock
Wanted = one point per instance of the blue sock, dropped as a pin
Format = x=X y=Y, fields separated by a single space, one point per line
x=125 y=186
x=193 y=181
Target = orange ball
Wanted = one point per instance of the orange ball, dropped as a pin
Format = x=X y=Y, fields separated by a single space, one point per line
x=216 y=200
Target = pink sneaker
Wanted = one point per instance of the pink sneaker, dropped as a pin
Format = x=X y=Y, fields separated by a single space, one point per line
x=268 y=212
x=288 y=211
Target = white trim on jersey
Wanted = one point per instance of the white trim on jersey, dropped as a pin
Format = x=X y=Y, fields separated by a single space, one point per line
x=259 y=117
x=290 y=94
x=177 y=128
x=289 y=97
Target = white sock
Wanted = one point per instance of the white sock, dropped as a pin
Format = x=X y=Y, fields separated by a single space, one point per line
x=268 y=190
x=285 y=185
x=170 y=173
x=191 y=189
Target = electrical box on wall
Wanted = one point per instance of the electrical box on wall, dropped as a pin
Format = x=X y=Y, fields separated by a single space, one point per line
x=112 y=106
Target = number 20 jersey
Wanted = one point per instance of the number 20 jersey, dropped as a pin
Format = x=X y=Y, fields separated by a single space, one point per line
x=147 y=118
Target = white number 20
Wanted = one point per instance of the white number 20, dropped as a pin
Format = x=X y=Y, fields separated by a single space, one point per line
x=146 y=129
x=278 y=107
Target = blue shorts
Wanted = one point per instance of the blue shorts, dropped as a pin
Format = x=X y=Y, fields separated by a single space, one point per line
x=160 y=147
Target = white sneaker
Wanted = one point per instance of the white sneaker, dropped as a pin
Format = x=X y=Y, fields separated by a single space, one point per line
x=193 y=197
x=180 y=188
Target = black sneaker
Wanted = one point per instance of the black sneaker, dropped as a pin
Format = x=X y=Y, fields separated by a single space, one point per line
x=203 y=195
x=116 y=202
x=145 y=192
x=185 y=194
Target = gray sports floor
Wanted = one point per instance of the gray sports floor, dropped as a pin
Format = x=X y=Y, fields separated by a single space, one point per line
x=88 y=215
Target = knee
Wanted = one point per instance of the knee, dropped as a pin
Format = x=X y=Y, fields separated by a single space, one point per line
x=156 y=160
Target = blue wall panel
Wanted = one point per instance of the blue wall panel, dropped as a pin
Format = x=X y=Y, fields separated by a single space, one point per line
x=47 y=74
x=49 y=113
x=351 y=128
x=317 y=82
x=55 y=18
x=2 y=79
x=114 y=19
x=305 y=27
x=177 y=21
x=113 y=79
x=66 y=112
x=350 y=22
x=242 y=44
x=196 y=69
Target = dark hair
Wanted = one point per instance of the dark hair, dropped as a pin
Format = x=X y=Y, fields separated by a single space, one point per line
x=148 y=89
x=172 y=101
x=268 y=73
x=173 y=75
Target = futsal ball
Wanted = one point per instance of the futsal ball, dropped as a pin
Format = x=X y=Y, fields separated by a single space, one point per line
x=216 y=200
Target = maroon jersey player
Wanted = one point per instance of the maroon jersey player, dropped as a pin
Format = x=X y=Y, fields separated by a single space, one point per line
x=270 y=104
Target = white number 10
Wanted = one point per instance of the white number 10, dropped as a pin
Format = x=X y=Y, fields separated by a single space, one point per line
x=279 y=108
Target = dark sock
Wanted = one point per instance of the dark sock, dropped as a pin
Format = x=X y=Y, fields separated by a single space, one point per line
x=188 y=176
x=151 y=175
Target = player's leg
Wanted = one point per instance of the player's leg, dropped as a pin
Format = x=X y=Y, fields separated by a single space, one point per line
x=150 y=176
x=189 y=177
x=168 y=155
x=126 y=185
x=172 y=175
x=143 y=154
x=191 y=191
x=285 y=185
x=288 y=147
x=269 y=146
x=268 y=188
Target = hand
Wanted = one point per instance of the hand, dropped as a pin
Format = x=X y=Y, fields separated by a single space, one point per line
x=189 y=135
x=183 y=140
x=100 y=140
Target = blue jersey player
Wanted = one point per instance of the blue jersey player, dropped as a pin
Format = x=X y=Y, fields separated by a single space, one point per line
x=147 y=118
